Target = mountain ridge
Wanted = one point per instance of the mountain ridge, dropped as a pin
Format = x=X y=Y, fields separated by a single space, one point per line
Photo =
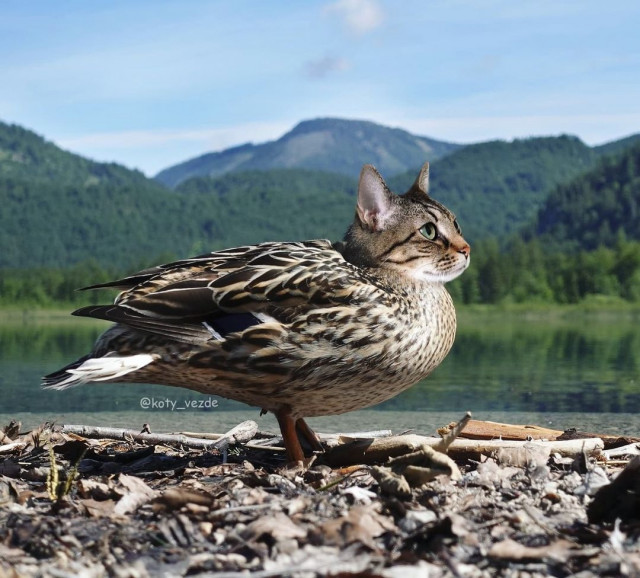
x=59 y=209
x=329 y=144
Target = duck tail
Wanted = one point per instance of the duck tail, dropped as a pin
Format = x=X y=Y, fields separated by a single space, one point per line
x=87 y=369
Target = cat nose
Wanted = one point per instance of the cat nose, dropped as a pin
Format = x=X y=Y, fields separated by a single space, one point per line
x=465 y=250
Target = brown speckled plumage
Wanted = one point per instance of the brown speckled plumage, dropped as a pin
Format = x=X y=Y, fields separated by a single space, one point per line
x=300 y=329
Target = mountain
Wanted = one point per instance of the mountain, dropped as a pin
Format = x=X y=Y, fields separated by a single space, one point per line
x=26 y=156
x=617 y=146
x=59 y=209
x=595 y=209
x=496 y=187
x=326 y=144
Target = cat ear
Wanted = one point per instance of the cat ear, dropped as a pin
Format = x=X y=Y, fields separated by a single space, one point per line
x=375 y=203
x=422 y=182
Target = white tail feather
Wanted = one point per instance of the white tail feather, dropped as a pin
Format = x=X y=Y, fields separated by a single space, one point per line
x=103 y=369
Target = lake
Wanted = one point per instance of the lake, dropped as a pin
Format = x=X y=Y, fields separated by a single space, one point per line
x=579 y=370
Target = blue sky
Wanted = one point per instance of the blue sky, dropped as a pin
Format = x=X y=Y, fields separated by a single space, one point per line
x=152 y=83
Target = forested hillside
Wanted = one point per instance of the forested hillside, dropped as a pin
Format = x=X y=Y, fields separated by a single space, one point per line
x=55 y=226
x=69 y=221
x=617 y=146
x=327 y=144
x=59 y=209
x=594 y=209
x=496 y=187
x=584 y=244
x=47 y=224
x=281 y=204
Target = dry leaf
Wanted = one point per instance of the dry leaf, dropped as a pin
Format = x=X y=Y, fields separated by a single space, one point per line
x=277 y=525
x=508 y=549
x=98 y=508
x=297 y=505
x=361 y=524
x=126 y=484
x=88 y=488
x=134 y=494
x=390 y=482
x=360 y=495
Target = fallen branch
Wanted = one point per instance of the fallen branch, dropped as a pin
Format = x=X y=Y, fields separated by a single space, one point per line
x=566 y=448
x=377 y=451
x=239 y=434
x=628 y=450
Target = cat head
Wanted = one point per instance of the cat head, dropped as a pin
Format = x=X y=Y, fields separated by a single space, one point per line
x=411 y=234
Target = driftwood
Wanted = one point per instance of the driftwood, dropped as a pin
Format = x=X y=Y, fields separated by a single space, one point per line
x=628 y=450
x=376 y=447
x=568 y=448
x=239 y=434
x=12 y=447
x=379 y=450
x=489 y=430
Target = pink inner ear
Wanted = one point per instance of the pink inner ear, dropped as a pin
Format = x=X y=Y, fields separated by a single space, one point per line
x=375 y=217
x=374 y=199
x=370 y=218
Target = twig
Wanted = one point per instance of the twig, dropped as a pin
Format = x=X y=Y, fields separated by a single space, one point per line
x=239 y=434
x=454 y=431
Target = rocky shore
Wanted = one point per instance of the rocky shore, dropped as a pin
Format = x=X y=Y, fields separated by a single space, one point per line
x=71 y=505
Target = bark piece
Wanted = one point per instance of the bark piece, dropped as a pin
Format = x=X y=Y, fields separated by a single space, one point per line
x=509 y=549
x=490 y=430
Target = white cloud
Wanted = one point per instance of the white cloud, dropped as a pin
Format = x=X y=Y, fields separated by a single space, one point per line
x=359 y=16
x=322 y=67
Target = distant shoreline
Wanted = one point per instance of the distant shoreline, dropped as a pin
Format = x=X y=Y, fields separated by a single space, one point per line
x=60 y=313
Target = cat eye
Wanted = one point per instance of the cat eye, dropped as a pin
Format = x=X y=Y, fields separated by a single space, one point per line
x=429 y=231
x=457 y=227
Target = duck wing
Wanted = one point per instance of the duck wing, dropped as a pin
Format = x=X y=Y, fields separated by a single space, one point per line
x=208 y=297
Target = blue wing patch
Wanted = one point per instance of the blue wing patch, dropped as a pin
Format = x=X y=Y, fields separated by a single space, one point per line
x=222 y=325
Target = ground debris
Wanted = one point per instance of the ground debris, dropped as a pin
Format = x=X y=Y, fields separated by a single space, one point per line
x=127 y=508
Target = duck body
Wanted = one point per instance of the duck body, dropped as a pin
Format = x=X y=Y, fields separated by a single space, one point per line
x=294 y=328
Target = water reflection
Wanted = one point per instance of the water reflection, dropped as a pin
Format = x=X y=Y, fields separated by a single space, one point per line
x=585 y=365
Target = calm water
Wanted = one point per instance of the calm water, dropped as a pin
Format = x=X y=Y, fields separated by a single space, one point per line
x=579 y=372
